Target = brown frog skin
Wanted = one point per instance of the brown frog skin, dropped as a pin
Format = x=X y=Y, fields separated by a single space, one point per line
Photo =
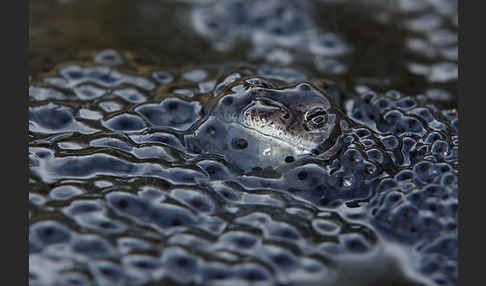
x=269 y=126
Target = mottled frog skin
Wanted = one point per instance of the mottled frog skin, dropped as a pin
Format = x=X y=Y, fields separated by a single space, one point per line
x=256 y=125
x=235 y=174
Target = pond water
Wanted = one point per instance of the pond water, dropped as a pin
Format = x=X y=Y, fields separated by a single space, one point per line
x=243 y=142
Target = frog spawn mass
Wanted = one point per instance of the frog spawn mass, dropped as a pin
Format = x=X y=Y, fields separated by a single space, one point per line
x=280 y=32
x=134 y=181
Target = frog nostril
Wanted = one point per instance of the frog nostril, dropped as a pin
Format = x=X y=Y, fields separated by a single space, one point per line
x=304 y=87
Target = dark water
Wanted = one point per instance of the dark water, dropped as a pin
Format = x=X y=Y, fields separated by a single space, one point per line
x=137 y=177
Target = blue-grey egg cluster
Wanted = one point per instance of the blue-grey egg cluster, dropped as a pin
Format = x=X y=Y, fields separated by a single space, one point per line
x=281 y=32
x=127 y=187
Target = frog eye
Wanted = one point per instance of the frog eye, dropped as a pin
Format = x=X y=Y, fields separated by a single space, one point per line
x=315 y=118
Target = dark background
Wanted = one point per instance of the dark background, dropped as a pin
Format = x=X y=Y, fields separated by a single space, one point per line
x=159 y=33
